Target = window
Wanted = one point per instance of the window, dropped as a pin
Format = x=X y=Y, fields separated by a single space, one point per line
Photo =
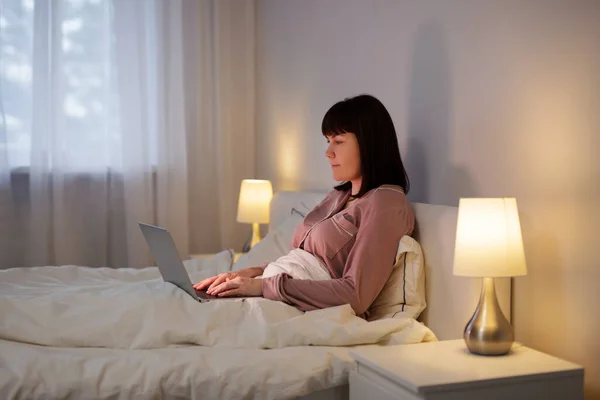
x=16 y=47
x=58 y=87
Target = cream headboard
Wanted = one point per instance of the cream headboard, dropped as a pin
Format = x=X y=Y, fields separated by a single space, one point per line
x=451 y=300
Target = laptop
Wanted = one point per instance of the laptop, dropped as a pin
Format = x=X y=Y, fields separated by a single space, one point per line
x=169 y=262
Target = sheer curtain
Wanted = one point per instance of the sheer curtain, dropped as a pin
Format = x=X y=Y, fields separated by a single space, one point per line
x=115 y=112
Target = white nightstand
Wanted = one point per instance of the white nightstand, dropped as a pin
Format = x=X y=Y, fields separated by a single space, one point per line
x=446 y=370
x=206 y=256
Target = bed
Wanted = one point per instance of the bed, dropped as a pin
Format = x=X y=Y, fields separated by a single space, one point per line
x=191 y=371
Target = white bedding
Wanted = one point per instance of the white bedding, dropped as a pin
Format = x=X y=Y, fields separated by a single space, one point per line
x=125 y=333
x=196 y=372
x=299 y=264
x=131 y=309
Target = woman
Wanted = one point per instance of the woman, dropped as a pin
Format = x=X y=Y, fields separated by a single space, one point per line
x=354 y=232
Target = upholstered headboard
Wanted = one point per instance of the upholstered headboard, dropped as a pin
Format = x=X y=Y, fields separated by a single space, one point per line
x=451 y=300
x=284 y=202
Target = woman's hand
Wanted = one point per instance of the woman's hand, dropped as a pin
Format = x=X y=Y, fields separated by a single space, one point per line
x=238 y=286
x=214 y=281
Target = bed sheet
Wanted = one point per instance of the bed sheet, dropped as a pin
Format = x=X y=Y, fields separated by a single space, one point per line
x=190 y=372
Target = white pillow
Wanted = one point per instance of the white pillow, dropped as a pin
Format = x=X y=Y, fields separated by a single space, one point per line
x=403 y=296
x=277 y=243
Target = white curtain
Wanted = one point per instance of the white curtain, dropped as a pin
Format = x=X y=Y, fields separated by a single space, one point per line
x=115 y=112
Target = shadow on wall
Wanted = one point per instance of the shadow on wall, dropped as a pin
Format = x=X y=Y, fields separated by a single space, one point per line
x=433 y=177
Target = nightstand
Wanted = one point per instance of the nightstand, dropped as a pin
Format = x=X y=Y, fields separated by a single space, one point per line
x=206 y=256
x=446 y=370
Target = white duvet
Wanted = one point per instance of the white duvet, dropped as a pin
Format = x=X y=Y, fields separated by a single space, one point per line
x=299 y=264
x=73 y=306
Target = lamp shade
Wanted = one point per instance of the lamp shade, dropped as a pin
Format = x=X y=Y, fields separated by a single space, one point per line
x=254 y=201
x=488 y=239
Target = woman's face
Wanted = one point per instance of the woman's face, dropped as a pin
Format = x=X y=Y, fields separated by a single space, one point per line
x=343 y=155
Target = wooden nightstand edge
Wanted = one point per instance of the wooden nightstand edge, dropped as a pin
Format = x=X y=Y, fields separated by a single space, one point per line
x=385 y=380
x=501 y=381
x=372 y=370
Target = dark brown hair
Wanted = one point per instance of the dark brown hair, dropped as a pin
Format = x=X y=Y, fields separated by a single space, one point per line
x=367 y=118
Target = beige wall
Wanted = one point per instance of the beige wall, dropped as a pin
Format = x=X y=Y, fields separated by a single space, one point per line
x=490 y=98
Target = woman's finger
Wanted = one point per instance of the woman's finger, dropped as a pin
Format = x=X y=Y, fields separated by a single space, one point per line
x=220 y=279
x=231 y=292
x=204 y=283
x=231 y=284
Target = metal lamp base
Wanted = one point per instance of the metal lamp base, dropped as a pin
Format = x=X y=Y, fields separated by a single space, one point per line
x=488 y=332
x=255 y=238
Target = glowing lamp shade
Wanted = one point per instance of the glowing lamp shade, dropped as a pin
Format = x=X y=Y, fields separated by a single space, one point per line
x=488 y=239
x=254 y=201
x=253 y=206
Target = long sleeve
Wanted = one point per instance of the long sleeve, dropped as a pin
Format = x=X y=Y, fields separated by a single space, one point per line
x=367 y=268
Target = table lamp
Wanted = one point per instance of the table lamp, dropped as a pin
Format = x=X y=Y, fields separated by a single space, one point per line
x=488 y=245
x=253 y=205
